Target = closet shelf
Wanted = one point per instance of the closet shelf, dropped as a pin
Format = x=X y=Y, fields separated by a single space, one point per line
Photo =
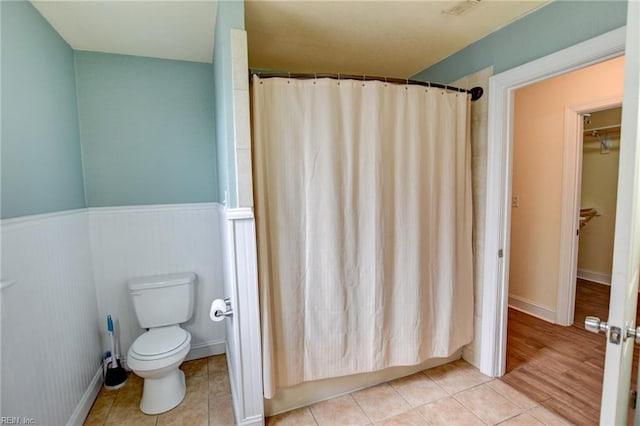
x=586 y=215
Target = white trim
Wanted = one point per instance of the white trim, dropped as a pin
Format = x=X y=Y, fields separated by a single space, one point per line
x=245 y=354
x=499 y=163
x=571 y=185
x=81 y=411
x=38 y=218
x=594 y=276
x=154 y=208
x=251 y=421
x=532 y=308
x=206 y=349
x=239 y=213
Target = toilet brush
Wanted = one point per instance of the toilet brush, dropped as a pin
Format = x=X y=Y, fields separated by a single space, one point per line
x=116 y=376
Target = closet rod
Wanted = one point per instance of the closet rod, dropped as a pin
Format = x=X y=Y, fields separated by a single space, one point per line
x=475 y=92
x=595 y=129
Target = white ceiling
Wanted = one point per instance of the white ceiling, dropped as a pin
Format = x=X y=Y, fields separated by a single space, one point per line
x=383 y=38
x=374 y=37
x=180 y=30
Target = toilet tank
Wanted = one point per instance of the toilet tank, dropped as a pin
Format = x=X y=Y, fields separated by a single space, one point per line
x=161 y=300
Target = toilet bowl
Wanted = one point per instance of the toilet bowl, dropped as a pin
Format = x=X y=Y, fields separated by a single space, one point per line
x=161 y=303
x=155 y=356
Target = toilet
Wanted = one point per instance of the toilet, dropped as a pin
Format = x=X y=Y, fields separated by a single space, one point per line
x=161 y=304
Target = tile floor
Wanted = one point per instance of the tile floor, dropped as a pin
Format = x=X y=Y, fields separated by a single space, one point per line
x=452 y=394
x=208 y=393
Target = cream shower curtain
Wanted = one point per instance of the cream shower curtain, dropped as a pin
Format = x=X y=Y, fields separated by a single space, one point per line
x=363 y=207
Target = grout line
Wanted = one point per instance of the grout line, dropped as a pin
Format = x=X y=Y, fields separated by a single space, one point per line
x=358 y=404
x=312 y=415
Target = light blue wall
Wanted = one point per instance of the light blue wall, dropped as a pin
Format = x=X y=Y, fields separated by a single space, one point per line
x=556 y=26
x=147 y=132
x=41 y=165
x=230 y=15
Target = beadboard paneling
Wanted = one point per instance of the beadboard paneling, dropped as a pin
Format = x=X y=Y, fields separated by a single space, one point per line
x=243 y=328
x=147 y=240
x=50 y=333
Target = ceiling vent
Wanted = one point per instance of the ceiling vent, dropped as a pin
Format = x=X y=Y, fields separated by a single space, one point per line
x=462 y=7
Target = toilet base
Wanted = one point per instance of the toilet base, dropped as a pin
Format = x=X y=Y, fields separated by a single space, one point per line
x=164 y=393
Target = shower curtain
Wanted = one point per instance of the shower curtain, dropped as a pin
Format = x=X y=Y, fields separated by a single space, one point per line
x=363 y=210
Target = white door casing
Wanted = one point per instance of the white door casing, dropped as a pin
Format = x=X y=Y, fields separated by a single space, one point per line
x=499 y=175
x=626 y=262
x=570 y=215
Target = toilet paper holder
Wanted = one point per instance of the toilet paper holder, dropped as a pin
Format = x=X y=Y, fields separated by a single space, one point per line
x=228 y=312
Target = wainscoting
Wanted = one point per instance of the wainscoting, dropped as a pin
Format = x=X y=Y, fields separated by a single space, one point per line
x=146 y=240
x=62 y=273
x=51 y=349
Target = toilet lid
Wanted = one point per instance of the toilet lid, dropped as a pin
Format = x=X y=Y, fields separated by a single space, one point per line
x=158 y=341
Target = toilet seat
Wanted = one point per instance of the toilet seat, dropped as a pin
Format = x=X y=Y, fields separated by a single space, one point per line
x=159 y=343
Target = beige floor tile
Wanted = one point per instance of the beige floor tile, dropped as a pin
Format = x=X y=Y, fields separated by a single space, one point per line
x=512 y=395
x=418 y=389
x=523 y=419
x=217 y=364
x=299 y=417
x=198 y=384
x=409 y=418
x=456 y=376
x=447 y=411
x=547 y=417
x=221 y=411
x=125 y=407
x=380 y=402
x=219 y=384
x=192 y=411
x=196 y=367
x=133 y=385
x=339 y=411
x=487 y=404
x=147 y=421
x=101 y=407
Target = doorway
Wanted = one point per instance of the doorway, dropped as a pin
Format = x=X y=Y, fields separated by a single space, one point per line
x=558 y=366
x=598 y=194
x=615 y=398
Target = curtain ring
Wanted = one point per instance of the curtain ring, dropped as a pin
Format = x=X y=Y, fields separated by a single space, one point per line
x=364 y=78
x=315 y=78
x=289 y=81
x=385 y=82
x=338 y=79
x=406 y=87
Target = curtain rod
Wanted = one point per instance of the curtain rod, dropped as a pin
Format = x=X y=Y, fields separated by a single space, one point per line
x=475 y=92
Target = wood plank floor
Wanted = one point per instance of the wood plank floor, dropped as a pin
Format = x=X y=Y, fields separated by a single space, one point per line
x=560 y=367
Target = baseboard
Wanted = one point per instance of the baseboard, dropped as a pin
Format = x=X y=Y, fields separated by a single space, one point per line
x=84 y=406
x=596 y=277
x=529 y=307
x=206 y=349
x=251 y=421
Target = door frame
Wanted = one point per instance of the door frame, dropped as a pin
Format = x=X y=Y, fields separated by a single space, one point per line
x=495 y=279
x=570 y=217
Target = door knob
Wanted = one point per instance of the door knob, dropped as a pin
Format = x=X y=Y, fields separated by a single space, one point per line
x=594 y=325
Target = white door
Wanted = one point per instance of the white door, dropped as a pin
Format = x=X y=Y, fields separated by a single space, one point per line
x=626 y=251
